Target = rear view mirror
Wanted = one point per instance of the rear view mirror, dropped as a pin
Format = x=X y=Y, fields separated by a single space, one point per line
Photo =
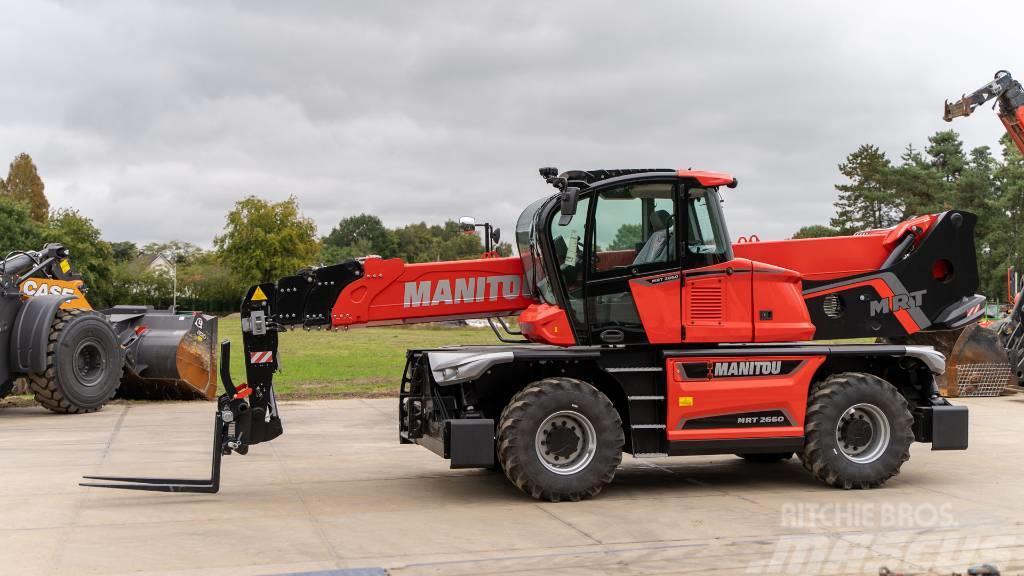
x=570 y=197
x=496 y=236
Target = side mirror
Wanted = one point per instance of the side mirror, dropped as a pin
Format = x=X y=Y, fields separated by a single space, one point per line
x=496 y=235
x=570 y=196
x=467 y=223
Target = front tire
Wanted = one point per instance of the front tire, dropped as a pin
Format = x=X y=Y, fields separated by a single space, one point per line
x=560 y=439
x=858 y=431
x=84 y=363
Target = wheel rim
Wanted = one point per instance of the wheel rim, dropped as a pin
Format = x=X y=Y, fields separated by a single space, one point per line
x=566 y=442
x=89 y=363
x=863 y=433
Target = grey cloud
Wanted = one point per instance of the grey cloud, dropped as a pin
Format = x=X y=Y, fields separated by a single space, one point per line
x=153 y=117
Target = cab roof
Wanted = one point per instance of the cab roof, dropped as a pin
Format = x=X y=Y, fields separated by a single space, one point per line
x=587 y=178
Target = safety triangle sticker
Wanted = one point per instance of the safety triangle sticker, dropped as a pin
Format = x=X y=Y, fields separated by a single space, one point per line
x=258 y=295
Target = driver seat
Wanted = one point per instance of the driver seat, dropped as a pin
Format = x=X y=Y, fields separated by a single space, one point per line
x=657 y=246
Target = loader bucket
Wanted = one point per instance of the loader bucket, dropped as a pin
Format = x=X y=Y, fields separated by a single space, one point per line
x=168 y=356
x=976 y=361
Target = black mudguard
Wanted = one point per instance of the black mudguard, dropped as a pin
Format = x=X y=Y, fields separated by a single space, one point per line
x=31 y=333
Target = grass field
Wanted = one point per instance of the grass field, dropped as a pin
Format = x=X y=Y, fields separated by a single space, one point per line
x=359 y=362
x=363 y=362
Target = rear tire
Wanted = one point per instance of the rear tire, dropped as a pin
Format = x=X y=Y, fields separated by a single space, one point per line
x=84 y=363
x=6 y=388
x=766 y=458
x=560 y=439
x=858 y=431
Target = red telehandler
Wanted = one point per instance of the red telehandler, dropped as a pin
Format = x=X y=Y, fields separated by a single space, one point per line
x=643 y=330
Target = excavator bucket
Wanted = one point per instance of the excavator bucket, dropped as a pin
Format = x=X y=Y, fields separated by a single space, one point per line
x=976 y=360
x=168 y=355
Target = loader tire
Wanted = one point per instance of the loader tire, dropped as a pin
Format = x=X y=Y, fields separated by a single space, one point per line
x=6 y=388
x=858 y=431
x=84 y=363
x=560 y=439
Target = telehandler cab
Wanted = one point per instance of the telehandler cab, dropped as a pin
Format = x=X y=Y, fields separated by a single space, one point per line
x=643 y=330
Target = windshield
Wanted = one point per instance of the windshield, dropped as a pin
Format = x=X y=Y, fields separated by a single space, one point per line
x=533 y=269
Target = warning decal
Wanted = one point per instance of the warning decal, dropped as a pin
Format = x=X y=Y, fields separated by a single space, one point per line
x=258 y=295
x=261 y=357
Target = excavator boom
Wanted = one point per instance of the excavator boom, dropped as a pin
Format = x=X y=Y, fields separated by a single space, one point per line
x=1009 y=96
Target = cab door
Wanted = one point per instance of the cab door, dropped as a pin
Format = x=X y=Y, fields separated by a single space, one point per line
x=717 y=293
x=632 y=247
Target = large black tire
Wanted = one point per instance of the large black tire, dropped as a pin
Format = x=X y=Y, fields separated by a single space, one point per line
x=846 y=443
x=766 y=458
x=84 y=363
x=570 y=411
x=6 y=388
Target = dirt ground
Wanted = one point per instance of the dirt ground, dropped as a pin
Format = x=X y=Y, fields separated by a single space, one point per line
x=338 y=492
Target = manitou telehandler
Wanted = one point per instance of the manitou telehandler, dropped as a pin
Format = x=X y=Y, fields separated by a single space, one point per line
x=76 y=359
x=643 y=330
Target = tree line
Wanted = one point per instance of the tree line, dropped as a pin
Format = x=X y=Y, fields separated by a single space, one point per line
x=879 y=193
x=261 y=242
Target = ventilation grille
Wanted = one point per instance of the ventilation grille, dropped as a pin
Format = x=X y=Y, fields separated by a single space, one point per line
x=833 y=306
x=705 y=302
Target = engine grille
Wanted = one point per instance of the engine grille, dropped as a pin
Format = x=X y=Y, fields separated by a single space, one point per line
x=705 y=302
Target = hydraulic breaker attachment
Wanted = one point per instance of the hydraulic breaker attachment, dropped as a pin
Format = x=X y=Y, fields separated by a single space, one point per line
x=241 y=419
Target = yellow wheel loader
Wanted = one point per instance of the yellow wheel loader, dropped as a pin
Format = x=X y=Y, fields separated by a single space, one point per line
x=76 y=359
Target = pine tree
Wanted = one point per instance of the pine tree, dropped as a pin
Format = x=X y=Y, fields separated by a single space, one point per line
x=24 y=185
x=868 y=201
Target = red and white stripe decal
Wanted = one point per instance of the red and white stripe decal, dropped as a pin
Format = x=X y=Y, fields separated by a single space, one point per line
x=261 y=357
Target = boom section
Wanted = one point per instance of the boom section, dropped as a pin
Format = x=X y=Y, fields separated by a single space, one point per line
x=375 y=291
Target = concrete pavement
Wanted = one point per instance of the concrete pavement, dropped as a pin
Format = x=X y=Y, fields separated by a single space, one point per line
x=337 y=491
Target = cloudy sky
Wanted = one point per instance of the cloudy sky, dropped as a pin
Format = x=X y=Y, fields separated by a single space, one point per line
x=152 y=118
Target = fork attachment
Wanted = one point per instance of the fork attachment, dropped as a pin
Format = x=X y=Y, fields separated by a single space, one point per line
x=234 y=429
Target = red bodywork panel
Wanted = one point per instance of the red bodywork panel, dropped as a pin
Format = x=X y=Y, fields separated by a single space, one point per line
x=836 y=257
x=717 y=302
x=705 y=178
x=546 y=323
x=1015 y=127
x=780 y=314
x=393 y=292
x=659 y=305
x=729 y=388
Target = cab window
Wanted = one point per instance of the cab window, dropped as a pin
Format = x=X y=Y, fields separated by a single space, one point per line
x=705 y=232
x=567 y=242
x=634 y=226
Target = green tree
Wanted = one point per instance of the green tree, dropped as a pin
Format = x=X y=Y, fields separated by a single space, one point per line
x=91 y=256
x=947 y=153
x=1005 y=242
x=626 y=237
x=868 y=201
x=124 y=251
x=816 y=231
x=24 y=184
x=918 y=184
x=178 y=251
x=18 y=230
x=264 y=241
x=360 y=235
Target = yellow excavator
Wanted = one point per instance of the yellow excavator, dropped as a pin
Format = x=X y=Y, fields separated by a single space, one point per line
x=76 y=359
